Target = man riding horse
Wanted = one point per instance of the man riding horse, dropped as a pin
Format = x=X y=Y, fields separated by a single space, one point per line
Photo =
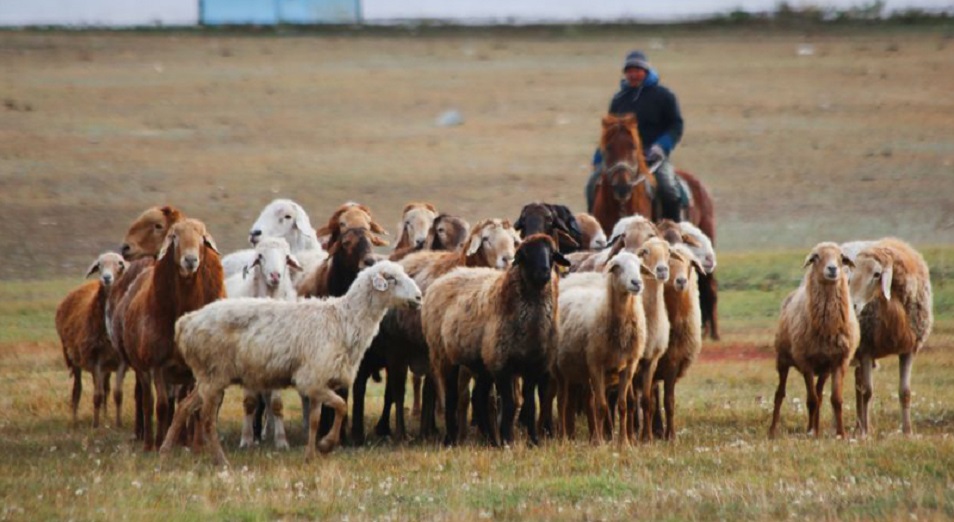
x=659 y=125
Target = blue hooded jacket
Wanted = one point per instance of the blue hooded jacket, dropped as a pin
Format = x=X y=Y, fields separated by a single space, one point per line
x=658 y=119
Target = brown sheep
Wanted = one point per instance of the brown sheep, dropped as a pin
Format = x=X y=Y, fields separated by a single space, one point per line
x=817 y=334
x=186 y=276
x=350 y=215
x=401 y=345
x=593 y=236
x=416 y=221
x=498 y=324
x=628 y=234
x=81 y=325
x=141 y=245
x=891 y=289
x=681 y=294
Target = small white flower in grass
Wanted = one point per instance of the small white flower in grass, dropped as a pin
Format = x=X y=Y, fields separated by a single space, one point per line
x=97 y=480
x=52 y=449
x=80 y=491
x=136 y=484
x=484 y=514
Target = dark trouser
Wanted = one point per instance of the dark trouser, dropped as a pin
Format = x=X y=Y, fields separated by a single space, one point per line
x=666 y=191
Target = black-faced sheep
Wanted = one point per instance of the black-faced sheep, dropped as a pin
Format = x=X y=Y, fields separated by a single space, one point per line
x=499 y=325
x=263 y=344
x=891 y=291
x=817 y=334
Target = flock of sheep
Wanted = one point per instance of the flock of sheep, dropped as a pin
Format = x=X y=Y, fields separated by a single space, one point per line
x=544 y=310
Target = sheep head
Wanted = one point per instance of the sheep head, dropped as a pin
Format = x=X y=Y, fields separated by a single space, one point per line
x=492 y=243
x=871 y=276
x=416 y=224
x=592 y=231
x=187 y=241
x=554 y=220
x=537 y=257
x=273 y=259
x=279 y=219
x=147 y=233
x=827 y=263
x=681 y=264
x=447 y=233
x=627 y=269
x=109 y=266
x=351 y=215
x=391 y=278
x=655 y=254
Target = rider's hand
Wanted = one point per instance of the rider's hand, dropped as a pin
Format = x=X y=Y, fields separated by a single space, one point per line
x=655 y=154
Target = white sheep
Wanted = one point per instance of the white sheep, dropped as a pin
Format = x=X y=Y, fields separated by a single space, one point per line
x=269 y=275
x=891 y=292
x=603 y=336
x=817 y=334
x=281 y=218
x=264 y=344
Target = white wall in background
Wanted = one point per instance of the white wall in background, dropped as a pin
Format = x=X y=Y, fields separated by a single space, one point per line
x=122 y=13
x=528 y=11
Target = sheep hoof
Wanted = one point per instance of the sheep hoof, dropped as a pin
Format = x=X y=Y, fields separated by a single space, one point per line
x=245 y=443
x=325 y=446
x=281 y=445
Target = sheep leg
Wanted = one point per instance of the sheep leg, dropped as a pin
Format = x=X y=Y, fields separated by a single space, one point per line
x=428 y=407
x=208 y=420
x=600 y=407
x=398 y=388
x=145 y=388
x=863 y=392
x=812 y=399
x=416 y=382
x=188 y=407
x=669 y=386
x=450 y=376
x=547 y=392
x=482 y=412
x=77 y=393
x=250 y=404
x=383 y=427
x=339 y=408
x=531 y=385
x=659 y=430
x=837 y=380
x=276 y=411
x=645 y=402
x=359 y=389
x=163 y=404
x=632 y=410
x=306 y=410
x=505 y=388
x=465 y=400
x=779 y=398
x=904 y=393
x=98 y=393
x=139 y=415
x=118 y=393
x=592 y=424
x=820 y=397
x=258 y=423
x=714 y=309
x=622 y=395
x=563 y=399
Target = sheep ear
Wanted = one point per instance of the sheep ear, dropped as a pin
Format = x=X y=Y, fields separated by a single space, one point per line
x=292 y=262
x=678 y=256
x=379 y=282
x=845 y=260
x=608 y=120
x=810 y=259
x=646 y=271
x=377 y=241
x=642 y=252
x=698 y=266
x=165 y=246
x=519 y=225
x=378 y=229
x=430 y=207
x=301 y=219
x=886 y=276
x=93 y=268
x=690 y=240
x=560 y=259
x=247 y=268
x=323 y=231
x=566 y=237
x=473 y=244
x=611 y=266
x=209 y=242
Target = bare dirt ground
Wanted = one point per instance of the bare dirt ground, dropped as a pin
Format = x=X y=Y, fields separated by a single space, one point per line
x=853 y=140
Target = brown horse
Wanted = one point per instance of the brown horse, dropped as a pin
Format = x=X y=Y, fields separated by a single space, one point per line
x=625 y=188
x=624 y=185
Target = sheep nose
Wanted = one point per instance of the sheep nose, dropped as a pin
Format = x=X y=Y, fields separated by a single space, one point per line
x=107 y=279
x=419 y=243
x=191 y=262
x=831 y=271
x=274 y=277
x=681 y=282
x=254 y=236
x=505 y=261
x=637 y=284
x=662 y=272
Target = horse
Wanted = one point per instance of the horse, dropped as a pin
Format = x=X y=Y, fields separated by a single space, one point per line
x=626 y=186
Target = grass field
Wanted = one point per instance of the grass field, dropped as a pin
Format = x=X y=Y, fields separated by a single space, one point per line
x=851 y=142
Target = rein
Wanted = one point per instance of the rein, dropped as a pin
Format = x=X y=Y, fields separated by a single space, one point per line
x=639 y=177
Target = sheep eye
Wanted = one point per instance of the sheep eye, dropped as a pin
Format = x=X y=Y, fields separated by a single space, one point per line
x=877 y=275
x=158 y=226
